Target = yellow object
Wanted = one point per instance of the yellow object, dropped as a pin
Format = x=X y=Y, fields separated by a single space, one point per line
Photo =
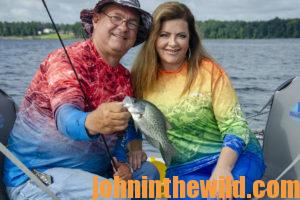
x=162 y=171
x=160 y=166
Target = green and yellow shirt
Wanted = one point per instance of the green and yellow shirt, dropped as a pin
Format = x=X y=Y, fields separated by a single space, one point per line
x=203 y=117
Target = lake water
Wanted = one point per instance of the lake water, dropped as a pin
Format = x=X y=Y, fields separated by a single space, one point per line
x=256 y=67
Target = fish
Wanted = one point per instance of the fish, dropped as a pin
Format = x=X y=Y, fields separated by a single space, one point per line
x=153 y=124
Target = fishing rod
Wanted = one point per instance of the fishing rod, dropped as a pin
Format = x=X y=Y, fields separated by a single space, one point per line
x=80 y=85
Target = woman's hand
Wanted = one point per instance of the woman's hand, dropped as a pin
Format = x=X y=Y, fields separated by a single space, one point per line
x=136 y=155
x=221 y=173
x=225 y=164
x=136 y=158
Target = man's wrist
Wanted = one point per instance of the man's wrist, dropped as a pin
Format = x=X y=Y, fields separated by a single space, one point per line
x=88 y=124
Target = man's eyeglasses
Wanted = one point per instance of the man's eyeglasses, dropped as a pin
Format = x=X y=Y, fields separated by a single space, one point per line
x=117 y=20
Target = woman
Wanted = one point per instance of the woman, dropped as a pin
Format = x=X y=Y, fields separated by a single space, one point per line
x=209 y=132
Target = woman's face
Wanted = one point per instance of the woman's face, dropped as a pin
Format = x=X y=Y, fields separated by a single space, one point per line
x=172 y=43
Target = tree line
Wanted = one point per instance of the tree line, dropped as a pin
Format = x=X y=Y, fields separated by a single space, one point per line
x=212 y=29
x=23 y=29
x=275 y=28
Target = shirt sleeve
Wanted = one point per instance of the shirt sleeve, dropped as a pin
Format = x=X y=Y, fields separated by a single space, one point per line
x=234 y=142
x=63 y=85
x=71 y=122
x=120 y=150
x=228 y=113
x=132 y=133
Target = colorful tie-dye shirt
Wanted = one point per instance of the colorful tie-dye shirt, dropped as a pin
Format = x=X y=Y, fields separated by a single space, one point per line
x=203 y=117
x=35 y=139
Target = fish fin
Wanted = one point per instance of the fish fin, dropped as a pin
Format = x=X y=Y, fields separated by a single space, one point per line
x=152 y=141
x=167 y=156
x=126 y=101
x=168 y=125
x=135 y=126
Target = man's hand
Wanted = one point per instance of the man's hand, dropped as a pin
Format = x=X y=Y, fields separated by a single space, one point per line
x=108 y=118
x=123 y=170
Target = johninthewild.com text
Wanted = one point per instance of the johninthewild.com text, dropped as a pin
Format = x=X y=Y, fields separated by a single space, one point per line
x=228 y=188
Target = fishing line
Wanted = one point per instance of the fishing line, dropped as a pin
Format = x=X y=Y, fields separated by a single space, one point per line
x=279 y=88
x=258 y=114
x=80 y=85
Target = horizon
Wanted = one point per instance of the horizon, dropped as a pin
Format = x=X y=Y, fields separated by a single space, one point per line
x=67 y=11
x=298 y=18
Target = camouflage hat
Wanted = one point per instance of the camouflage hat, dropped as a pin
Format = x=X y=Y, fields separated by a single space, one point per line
x=86 y=17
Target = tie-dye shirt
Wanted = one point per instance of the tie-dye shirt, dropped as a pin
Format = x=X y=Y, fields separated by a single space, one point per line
x=35 y=139
x=203 y=117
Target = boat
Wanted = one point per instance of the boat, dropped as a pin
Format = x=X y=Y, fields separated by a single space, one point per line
x=280 y=140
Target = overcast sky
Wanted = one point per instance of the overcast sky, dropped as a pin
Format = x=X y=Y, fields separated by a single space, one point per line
x=67 y=11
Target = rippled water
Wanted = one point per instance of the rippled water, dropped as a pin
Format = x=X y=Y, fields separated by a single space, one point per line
x=256 y=67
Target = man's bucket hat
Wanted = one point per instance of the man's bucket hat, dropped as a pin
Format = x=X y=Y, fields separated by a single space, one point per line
x=86 y=17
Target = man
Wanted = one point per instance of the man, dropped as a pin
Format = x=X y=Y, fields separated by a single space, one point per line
x=65 y=110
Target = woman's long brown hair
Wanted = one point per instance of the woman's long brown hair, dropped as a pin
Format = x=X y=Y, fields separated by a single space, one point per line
x=145 y=68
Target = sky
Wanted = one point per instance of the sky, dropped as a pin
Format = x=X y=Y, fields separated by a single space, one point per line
x=67 y=11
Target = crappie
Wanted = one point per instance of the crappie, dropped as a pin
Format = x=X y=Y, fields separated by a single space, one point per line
x=152 y=123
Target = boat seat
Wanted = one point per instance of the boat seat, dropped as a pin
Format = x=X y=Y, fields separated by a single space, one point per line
x=282 y=133
x=281 y=140
x=7 y=119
